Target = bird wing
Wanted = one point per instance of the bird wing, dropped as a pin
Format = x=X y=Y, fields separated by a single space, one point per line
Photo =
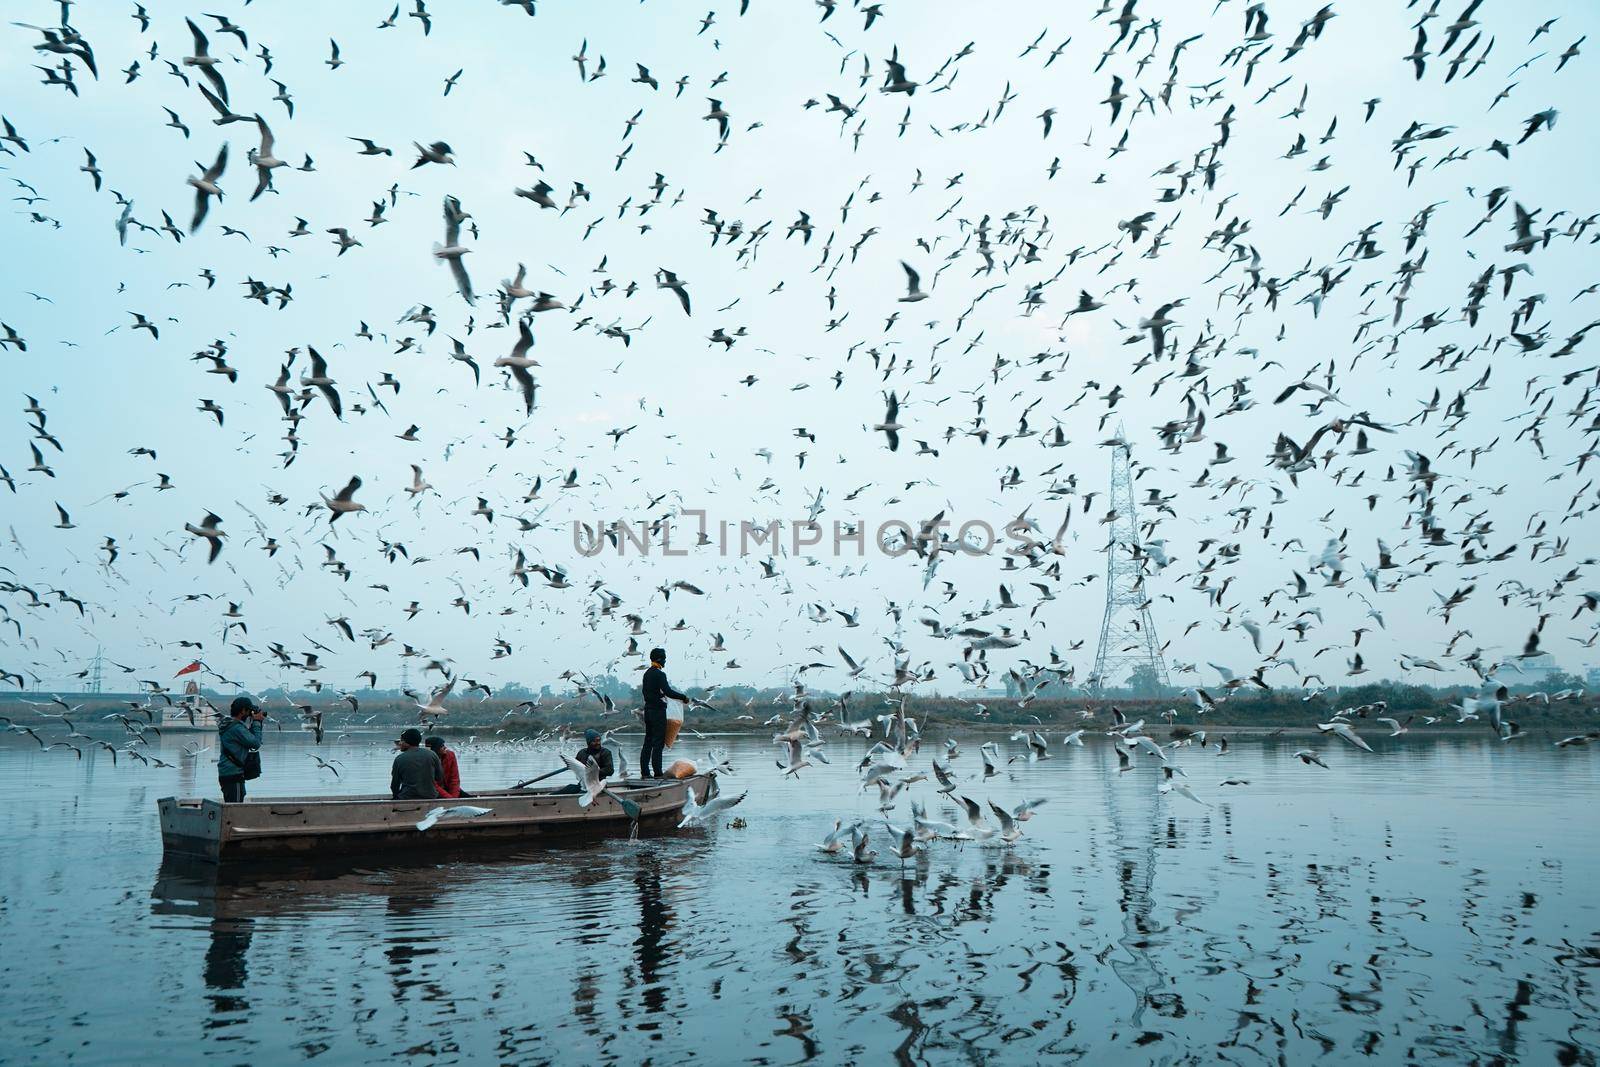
x=913 y=279
x=458 y=270
x=199 y=39
x=452 y=221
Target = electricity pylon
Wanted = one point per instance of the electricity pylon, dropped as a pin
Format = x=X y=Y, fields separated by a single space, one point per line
x=1128 y=641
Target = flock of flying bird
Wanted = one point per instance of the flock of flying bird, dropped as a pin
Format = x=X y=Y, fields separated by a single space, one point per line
x=1038 y=336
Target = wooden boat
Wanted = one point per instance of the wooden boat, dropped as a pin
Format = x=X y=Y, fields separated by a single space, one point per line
x=303 y=827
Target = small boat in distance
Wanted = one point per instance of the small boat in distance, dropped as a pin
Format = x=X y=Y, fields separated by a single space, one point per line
x=304 y=827
x=193 y=712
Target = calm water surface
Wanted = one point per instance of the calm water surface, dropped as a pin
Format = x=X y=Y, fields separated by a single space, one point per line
x=1438 y=902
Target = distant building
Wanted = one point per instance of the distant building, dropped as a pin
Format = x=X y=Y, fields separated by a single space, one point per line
x=1535 y=673
x=1591 y=677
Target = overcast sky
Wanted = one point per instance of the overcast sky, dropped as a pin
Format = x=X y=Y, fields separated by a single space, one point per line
x=696 y=434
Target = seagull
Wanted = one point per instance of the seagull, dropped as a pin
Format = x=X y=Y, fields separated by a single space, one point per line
x=1024 y=811
x=1346 y=732
x=437 y=152
x=319 y=378
x=720 y=117
x=324 y=765
x=914 y=291
x=344 y=502
x=890 y=426
x=795 y=753
x=92 y=169
x=208 y=529
x=666 y=279
x=1009 y=828
x=696 y=814
x=980 y=828
x=435 y=705
x=452 y=250
x=519 y=361
x=263 y=160
x=206 y=62
x=990 y=752
x=458 y=811
x=904 y=843
x=206 y=187
x=591 y=785
x=418 y=486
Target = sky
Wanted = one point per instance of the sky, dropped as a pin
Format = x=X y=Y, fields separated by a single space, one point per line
x=825 y=336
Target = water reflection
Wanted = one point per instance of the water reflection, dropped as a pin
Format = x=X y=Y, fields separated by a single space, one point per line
x=226 y=971
x=1287 y=921
x=1134 y=814
x=651 y=946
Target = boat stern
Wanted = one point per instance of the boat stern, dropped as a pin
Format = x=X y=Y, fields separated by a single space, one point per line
x=191 y=826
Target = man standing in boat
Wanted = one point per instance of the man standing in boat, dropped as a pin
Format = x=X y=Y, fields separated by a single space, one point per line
x=239 y=738
x=656 y=691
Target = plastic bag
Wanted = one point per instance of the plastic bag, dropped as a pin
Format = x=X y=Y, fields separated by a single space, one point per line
x=674 y=722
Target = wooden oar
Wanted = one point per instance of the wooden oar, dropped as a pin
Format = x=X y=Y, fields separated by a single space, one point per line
x=541 y=778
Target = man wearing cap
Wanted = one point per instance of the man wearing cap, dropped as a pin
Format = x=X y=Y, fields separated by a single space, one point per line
x=237 y=736
x=417 y=773
x=594 y=752
x=656 y=691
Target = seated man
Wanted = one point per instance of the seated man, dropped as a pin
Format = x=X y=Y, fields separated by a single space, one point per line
x=450 y=788
x=417 y=773
x=592 y=752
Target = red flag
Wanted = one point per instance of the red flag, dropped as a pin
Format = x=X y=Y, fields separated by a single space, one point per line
x=190 y=669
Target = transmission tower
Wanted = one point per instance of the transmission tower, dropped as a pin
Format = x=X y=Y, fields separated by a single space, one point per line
x=1128 y=639
x=95 y=680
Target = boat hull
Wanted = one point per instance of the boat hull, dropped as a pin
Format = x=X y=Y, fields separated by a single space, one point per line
x=291 y=827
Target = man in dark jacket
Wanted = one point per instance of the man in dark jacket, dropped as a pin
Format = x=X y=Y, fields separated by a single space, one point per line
x=594 y=752
x=237 y=737
x=656 y=691
x=417 y=773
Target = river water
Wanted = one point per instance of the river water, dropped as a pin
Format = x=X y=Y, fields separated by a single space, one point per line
x=1436 y=902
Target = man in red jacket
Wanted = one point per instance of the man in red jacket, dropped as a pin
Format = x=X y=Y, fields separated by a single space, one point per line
x=451 y=787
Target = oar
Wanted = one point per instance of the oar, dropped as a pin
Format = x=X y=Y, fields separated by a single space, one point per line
x=542 y=777
x=629 y=808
